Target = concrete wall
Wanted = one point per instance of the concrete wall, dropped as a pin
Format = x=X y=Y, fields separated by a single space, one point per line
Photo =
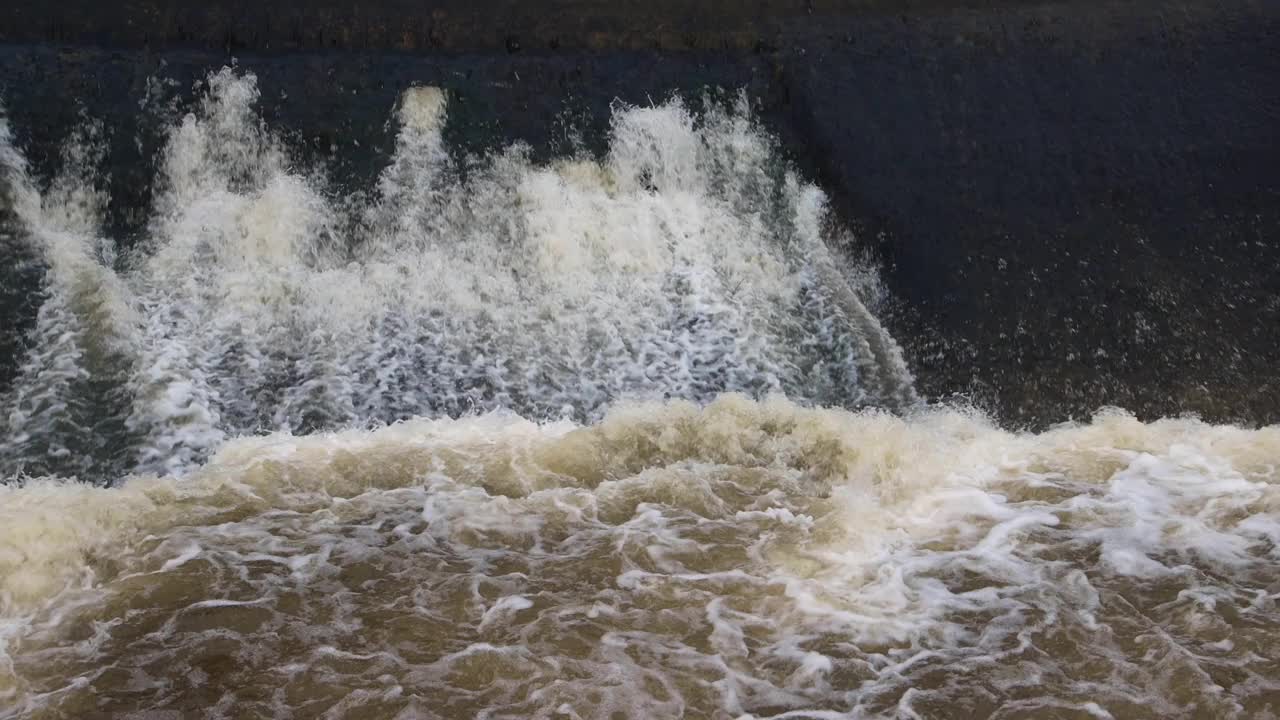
x=460 y=25
x=1077 y=205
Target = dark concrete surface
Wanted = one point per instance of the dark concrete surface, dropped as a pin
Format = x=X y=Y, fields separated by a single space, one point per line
x=1079 y=208
x=477 y=25
x=1077 y=204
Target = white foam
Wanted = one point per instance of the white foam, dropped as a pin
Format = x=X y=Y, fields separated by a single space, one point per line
x=806 y=547
x=688 y=262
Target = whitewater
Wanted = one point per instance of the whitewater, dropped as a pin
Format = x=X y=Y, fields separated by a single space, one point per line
x=615 y=436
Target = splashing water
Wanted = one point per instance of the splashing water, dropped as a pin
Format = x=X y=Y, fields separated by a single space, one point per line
x=613 y=490
x=743 y=560
x=686 y=263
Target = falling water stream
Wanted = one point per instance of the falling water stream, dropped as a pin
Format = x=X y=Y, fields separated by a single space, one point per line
x=602 y=437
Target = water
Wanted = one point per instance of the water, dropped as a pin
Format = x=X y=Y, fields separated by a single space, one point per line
x=686 y=263
x=612 y=437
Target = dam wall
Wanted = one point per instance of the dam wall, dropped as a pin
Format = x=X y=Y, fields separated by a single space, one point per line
x=1076 y=204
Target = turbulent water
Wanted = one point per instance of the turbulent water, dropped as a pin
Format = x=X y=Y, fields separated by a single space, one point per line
x=610 y=437
x=686 y=263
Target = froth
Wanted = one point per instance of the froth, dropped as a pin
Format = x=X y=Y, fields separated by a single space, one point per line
x=423 y=108
x=688 y=262
x=739 y=558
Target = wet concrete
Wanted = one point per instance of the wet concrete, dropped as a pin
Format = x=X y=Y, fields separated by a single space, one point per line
x=1079 y=209
x=1076 y=206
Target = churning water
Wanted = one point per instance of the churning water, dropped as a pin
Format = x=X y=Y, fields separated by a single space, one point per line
x=589 y=439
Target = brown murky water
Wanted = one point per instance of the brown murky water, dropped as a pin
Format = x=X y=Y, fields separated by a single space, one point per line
x=743 y=560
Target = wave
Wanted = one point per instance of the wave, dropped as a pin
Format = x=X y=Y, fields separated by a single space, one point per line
x=743 y=558
x=686 y=262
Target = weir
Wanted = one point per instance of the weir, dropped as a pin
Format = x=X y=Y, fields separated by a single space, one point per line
x=580 y=359
x=1076 y=203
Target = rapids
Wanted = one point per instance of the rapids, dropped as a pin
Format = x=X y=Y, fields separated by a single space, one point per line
x=688 y=262
x=746 y=559
x=606 y=437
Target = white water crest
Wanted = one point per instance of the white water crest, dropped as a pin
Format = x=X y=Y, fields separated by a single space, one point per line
x=687 y=262
x=740 y=560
